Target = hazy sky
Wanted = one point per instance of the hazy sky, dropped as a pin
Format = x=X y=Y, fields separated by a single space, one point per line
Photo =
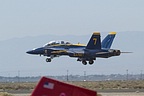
x=24 y=18
x=20 y=18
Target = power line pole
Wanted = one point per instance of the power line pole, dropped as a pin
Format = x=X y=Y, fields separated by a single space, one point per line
x=84 y=75
x=141 y=75
x=67 y=75
x=18 y=76
x=127 y=75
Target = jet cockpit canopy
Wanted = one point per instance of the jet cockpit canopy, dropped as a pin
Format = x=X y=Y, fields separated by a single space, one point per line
x=59 y=42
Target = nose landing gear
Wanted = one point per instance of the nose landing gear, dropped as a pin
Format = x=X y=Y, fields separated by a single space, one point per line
x=48 y=59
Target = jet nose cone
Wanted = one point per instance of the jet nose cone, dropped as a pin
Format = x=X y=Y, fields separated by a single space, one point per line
x=36 y=51
x=30 y=52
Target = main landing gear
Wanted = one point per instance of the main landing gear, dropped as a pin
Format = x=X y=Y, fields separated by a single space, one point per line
x=91 y=62
x=85 y=63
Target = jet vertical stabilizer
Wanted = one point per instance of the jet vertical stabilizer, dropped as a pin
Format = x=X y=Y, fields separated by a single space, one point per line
x=94 y=42
x=108 y=40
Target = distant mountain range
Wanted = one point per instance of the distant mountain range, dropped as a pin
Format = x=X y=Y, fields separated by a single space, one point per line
x=13 y=57
x=76 y=78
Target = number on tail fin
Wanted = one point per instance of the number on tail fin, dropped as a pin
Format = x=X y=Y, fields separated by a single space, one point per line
x=95 y=40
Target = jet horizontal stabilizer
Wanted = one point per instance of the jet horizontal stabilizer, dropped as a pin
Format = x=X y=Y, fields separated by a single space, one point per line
x=99 y=53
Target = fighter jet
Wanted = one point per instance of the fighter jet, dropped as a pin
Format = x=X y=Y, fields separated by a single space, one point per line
x=84 y=53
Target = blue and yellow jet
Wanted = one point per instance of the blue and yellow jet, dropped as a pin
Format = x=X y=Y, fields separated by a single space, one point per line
x=94 y=49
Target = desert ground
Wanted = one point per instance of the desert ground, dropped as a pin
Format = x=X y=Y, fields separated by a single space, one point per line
x=103 y=94
x=105 y=88
x=122 y=94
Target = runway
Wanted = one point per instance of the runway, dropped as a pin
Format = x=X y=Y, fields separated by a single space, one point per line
x=110 y=92
x=122 y=94
x=105 y=94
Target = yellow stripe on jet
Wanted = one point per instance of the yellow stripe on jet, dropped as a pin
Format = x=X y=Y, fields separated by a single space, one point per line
x=112 y=33
x=96 y=33
x=79 y=44
x=59 y=51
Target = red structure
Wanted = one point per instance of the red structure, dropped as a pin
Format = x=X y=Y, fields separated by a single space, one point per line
x=51 y=87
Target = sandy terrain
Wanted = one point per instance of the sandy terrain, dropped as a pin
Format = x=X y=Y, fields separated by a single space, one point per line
x=122 y=94
x=21 y=94
x=103 y=94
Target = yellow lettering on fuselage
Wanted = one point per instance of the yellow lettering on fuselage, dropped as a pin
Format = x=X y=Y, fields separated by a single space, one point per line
x=78 y=54
x=60 y=51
